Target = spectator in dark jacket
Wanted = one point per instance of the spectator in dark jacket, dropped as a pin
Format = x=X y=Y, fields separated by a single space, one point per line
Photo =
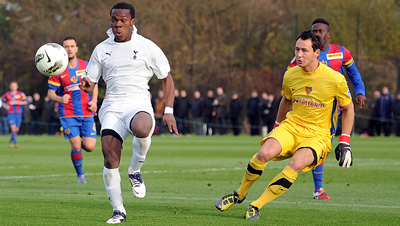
x=374 y=120
x=396 y=113
x=385 y=108
x=50 y=116
x=4 y=127
x=268 y=110
x=197 y=112
x=236 y=107
x=183 y=108
x=36 y=108
x=220 y=104
x=209 y=113
x=252 y=113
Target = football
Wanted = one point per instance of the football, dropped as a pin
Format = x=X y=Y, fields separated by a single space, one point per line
x=51 y=59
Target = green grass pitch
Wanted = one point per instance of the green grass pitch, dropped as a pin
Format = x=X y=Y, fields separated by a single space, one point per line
x=185 y=176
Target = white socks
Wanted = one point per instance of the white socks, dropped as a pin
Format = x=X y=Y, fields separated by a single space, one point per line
x=112 y=180
x=140 y=148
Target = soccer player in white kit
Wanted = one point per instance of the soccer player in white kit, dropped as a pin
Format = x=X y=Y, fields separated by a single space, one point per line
x=127 y=61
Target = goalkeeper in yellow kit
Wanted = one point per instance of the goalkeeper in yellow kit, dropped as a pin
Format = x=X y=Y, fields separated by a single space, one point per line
x=313 y=91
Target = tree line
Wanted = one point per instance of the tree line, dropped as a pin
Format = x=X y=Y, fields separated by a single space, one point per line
x=237 y=44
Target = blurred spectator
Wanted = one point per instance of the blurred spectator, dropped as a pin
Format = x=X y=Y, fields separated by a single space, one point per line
x=159 y=112
x=252 y=113
x=385 y=108
x=264 y=107
x=197 y=112
x=50 y=116
x=176 y=109
x=220 y=104
x=4 y=127
x=235 y=111
x=26 y=125
x=396 y=113
x=183 y=108
x=373 y=125
x=36 y=108
x=209 y=113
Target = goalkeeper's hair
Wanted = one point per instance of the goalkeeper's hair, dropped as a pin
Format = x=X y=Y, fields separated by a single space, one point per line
x=320 y=20
x=315 y=39
x=124 y=5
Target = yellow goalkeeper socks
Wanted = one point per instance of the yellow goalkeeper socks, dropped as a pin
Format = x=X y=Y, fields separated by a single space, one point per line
x=254 y=170
x=277 y=187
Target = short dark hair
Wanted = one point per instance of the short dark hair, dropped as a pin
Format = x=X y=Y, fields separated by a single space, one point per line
x=124 y=5
x=69 y=38
x=315 y=39
x=320 y=20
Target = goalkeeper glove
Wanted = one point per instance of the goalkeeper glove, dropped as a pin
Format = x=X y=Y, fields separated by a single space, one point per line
x=343 y=151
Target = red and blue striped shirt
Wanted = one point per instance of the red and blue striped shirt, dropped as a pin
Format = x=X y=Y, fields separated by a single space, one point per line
x=68 y=83
x=12 y=99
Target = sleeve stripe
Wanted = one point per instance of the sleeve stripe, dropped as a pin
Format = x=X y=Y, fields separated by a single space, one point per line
x=54 y=83
x=348 y=62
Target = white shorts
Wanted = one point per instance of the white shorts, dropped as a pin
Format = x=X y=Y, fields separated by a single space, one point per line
x=117 y=117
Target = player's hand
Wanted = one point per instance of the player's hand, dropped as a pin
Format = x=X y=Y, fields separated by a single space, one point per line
x=361 y=100
x=65 y=99
x=85 y=83
x=92 y=106
x=7 y=107
x=343 y=152
x=169 y=121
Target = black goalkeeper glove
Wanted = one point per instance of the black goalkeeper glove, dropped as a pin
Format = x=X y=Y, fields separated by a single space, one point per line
x=343 y=151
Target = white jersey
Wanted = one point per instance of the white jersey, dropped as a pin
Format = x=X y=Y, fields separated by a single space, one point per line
x=126 y=68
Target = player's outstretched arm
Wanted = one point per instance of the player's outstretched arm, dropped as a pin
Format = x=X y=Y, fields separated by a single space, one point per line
x=343 y=151
x=169 y=119
x=86 y=85
x=284 y=107
x=93 y=102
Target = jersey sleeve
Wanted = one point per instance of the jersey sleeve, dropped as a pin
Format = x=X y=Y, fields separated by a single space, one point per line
x=158 y=61
x=353 y=73
x=54 y=83
x=286 y=92
x=292 y=63
x=343 y=93
x=24 y=97
x=94 y=68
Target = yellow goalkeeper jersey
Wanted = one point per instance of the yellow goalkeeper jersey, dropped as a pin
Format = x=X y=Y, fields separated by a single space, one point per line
x=315 y=97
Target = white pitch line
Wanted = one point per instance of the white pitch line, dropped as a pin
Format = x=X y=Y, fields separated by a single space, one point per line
x=285 y=202
x=271 y=166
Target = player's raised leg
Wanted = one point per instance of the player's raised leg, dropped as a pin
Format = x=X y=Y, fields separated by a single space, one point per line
x=142 y=126
x=270 y=149
x=111 y=146
x=282 y=182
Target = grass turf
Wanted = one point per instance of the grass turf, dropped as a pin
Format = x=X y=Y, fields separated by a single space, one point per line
x=185 y=176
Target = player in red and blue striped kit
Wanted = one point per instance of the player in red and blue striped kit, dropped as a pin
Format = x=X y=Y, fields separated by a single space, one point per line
x=76 y=107
x=13 y=102
x=339 y=59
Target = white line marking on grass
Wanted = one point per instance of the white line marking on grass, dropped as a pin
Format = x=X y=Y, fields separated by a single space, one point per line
x=183 y=171
x=284 y=202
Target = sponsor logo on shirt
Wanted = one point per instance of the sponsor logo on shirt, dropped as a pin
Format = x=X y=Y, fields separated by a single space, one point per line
x=80 y=73
x=333 y=56
x=310 y=103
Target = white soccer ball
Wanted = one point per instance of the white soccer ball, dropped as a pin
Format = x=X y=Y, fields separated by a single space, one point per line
x=51 y=59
